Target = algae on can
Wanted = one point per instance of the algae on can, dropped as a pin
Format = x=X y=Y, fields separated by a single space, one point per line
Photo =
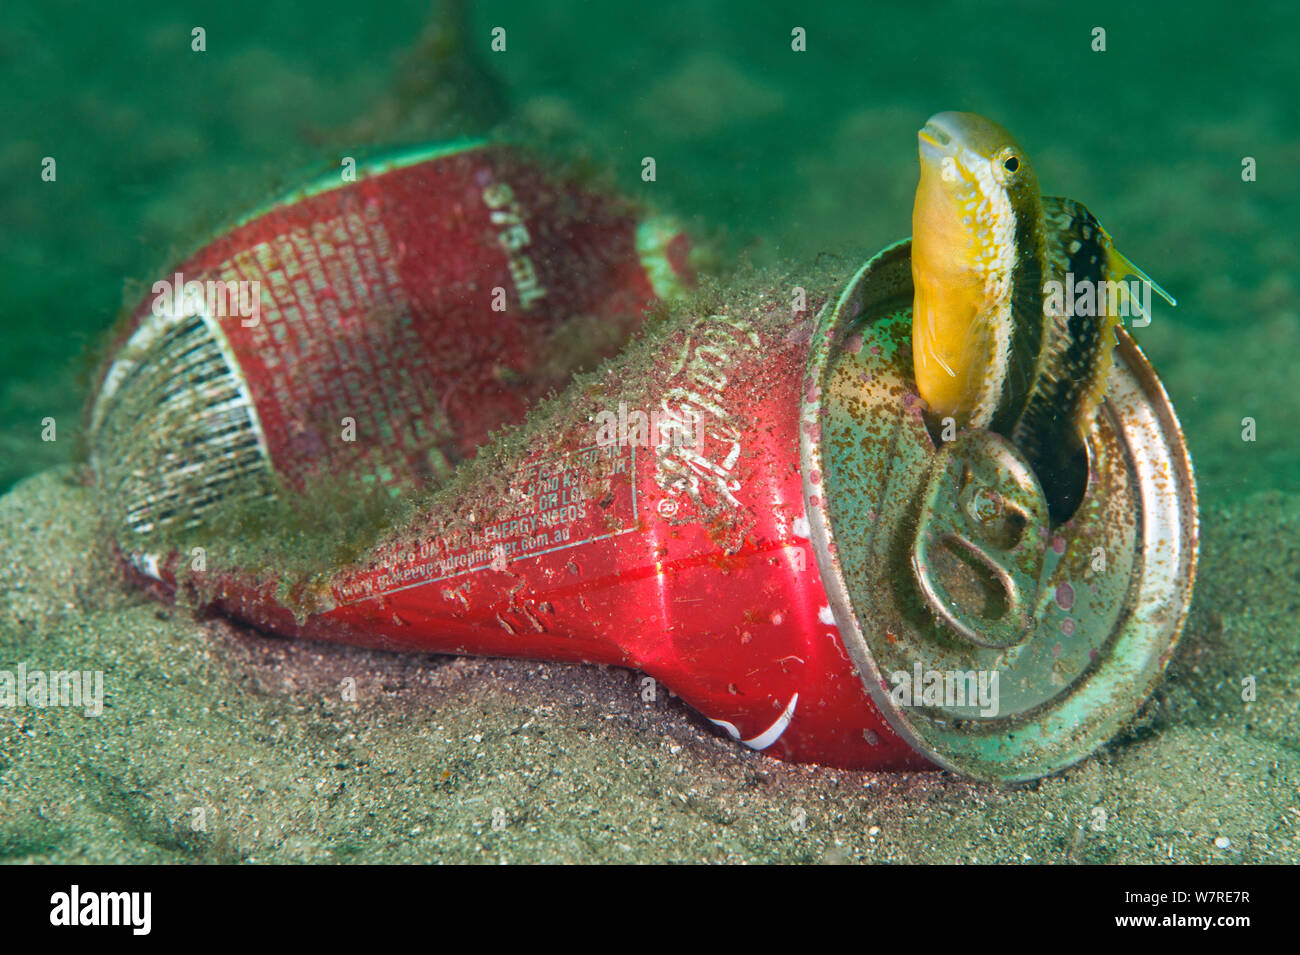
x=941 y=615
x=356 y=353
x=940 y=559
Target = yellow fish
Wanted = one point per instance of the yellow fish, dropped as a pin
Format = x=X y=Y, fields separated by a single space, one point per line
x=997 y=339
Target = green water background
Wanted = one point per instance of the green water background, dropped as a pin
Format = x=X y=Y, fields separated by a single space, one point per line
x=782 y=156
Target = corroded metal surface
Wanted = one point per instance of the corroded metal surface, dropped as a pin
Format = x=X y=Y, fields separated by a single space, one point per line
x=940 y=557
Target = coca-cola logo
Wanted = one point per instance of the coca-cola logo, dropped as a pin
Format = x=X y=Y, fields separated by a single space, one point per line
x=698 y=378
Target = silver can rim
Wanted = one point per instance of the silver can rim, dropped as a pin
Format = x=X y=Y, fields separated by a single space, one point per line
x=1116 y=692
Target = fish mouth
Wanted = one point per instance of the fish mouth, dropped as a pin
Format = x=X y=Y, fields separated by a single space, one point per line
x=935 y=142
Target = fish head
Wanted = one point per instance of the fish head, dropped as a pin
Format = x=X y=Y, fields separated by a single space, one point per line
x=968 y=160
x=976 y=184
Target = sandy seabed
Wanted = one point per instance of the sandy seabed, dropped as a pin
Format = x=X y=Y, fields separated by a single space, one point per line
x=220 y=744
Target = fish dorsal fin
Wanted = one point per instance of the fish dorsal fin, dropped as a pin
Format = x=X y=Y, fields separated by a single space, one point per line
x=1078 y=252
x=1121 y=265
x=1081 y=258
x=1065 y=219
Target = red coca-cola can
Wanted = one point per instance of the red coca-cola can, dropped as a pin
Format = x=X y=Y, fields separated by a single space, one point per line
x=747 y=505
x=370 y=327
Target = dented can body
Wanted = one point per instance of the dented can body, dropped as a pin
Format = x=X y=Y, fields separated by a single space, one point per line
x=748 y=506
x=373 y=326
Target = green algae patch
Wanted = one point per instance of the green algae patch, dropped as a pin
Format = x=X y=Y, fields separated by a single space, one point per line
x=264 y=533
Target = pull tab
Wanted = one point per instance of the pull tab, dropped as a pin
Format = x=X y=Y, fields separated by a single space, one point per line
x=981 y=540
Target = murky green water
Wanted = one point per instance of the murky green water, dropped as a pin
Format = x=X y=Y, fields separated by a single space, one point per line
x=787 y=154
x=773 y=155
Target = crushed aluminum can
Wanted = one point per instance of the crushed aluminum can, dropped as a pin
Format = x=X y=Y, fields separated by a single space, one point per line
x=747 y=506
x=370 y=330
x=942 y=560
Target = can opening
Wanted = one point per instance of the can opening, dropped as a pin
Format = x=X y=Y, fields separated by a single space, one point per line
x=1062 y=473
x=1058 y=593
x=1064 y=483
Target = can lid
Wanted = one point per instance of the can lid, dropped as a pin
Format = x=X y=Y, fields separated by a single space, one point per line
x=1000 y=644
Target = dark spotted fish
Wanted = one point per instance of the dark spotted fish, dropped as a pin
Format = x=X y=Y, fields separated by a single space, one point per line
x=1016 y=295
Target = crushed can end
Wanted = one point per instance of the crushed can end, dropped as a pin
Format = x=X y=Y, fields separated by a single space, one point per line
x=1002 y=644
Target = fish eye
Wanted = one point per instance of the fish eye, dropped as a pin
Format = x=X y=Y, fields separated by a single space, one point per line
x=1005 y=164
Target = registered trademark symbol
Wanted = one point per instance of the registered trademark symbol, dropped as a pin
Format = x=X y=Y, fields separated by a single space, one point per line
x=667 y=507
